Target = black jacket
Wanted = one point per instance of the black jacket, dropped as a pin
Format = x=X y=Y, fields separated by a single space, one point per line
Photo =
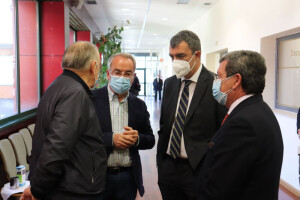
x=202 y=120
x=68 y=153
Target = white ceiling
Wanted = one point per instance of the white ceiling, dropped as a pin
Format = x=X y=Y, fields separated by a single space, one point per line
x=163 y=19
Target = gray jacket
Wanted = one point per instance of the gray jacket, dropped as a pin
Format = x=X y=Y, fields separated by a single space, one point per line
x=68 y=153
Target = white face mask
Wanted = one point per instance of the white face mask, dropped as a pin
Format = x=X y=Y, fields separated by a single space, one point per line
x=182 y=67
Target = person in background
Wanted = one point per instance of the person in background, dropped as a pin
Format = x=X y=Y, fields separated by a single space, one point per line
x=298 y=122
x=190 y=116
x=135 y=87
x=298 y=132
x=125 y=124
x=68 y=159
x=244 y=158
x=157 y=86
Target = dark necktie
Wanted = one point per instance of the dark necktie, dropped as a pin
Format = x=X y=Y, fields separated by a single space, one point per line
x=179 y=121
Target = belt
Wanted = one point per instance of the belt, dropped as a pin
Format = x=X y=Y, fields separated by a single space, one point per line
x=117 y=170
x=177 y=159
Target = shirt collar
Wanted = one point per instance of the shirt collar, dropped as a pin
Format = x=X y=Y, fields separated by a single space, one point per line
x=238 y=101
x=195 y=77
x=77 y=78
x=111 y=94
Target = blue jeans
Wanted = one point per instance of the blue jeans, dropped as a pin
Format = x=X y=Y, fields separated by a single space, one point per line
x=119 y=186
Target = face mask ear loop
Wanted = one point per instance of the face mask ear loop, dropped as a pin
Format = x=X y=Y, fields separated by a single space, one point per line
x=194 y=62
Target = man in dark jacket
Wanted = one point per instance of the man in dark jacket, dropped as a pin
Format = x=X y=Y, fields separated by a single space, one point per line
x=68 y=155
x=125 y=124
x=244 y=158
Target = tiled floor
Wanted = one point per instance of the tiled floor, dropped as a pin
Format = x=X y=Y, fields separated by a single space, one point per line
x=149 y=161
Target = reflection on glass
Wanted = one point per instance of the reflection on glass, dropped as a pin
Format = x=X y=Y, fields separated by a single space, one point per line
x=8 y=104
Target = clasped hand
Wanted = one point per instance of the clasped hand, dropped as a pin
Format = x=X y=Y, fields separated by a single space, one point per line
x=126 y=139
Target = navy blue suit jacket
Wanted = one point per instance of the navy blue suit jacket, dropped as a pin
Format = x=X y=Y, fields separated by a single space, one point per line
x=244 y=158
x=138 y=119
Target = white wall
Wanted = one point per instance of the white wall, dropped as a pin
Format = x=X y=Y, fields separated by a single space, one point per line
x=244 y=24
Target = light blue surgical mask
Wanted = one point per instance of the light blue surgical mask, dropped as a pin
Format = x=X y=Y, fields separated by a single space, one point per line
x=119 y=84
x=219 y=96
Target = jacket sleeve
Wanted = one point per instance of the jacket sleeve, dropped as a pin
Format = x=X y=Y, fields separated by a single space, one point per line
x=65 y=128
x=146 y=137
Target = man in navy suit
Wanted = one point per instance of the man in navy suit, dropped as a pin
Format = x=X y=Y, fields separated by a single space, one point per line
x=125 y=124
x=244 y=158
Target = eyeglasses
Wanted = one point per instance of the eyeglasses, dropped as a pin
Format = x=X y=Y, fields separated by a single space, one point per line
x=127 y=74
x=216 y=76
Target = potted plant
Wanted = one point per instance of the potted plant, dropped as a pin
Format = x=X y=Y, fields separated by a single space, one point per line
x=109 y=45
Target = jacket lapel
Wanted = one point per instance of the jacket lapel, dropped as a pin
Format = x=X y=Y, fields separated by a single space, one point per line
x=105 y=110
x=131 y=115
x=245 y=103
x=200 y=89
x=173 y=98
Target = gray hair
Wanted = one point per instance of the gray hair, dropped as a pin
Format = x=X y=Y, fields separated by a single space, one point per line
x=79 y=55
x=251 y=66
x=124 y=55
x=189 y=37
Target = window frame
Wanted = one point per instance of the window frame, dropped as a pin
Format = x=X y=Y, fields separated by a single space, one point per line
x=278 y=40
x=22 y=116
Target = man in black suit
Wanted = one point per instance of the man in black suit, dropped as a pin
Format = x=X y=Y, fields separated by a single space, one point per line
x=245 y=156
x=187 y=105
x=125 y=124
x=157 y=86
x=298 y=123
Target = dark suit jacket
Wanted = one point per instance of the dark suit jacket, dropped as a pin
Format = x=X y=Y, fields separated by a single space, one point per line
x=244 y=160
x=157 y=85
x=202 y=121
x=138 y=119
x=298 y=120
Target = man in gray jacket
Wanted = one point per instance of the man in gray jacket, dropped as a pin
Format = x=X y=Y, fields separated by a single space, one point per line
x=68 y=155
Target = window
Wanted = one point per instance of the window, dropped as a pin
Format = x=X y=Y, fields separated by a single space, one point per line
x=19 y=57
x=8 y=103
x=288 y=73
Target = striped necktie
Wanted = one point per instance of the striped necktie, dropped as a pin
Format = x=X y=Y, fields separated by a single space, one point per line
x=179 y=121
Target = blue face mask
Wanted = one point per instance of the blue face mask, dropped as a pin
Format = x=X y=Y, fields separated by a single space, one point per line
x=219 y=96
x=119 y=84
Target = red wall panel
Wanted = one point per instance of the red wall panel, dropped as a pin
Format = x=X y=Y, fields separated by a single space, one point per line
x=83 y=36
x=52 y=40
x=28 y=54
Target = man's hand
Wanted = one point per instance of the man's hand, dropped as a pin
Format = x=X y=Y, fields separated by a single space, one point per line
x=27 y=195
x=126 y=139
x=299 y=133
x=122 y=141
x=133 y=133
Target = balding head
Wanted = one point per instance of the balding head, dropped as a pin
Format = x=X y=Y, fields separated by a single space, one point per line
x=79 y=55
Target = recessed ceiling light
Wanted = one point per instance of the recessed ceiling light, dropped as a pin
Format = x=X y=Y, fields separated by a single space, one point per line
x=125 y=9
x=155 y=34
x=164 y=19
x=183 y=1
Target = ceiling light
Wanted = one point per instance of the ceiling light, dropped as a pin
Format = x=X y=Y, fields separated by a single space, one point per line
x=183 y=1
x=90 y=2
x=155 y=34
x=125 y=9
x=164 y=19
